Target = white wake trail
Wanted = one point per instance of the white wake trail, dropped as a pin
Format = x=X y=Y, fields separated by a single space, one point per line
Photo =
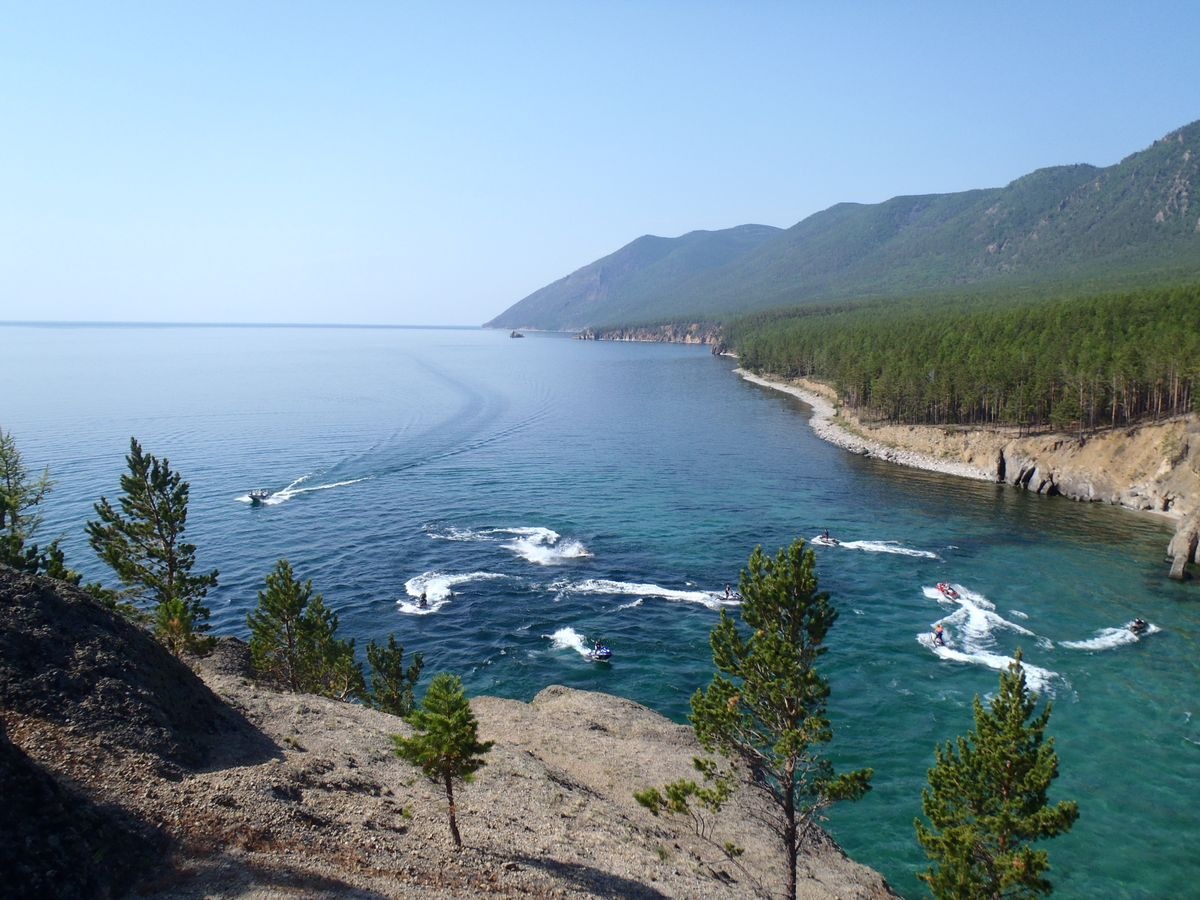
x=438 y=588
x=1111 y=638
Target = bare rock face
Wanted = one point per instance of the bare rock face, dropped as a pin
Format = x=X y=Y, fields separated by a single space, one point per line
x=82 y=692
x=691 y=333
x=1155 y=468
x=1144 y=468
x=1182 y=549
x=582 y=755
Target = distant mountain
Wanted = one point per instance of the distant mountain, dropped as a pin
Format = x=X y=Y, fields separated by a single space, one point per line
x=622 y=285
x=1131 y=224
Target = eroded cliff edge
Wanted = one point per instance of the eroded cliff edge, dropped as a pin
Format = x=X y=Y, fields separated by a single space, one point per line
x=136 y=774
x=1152 y=468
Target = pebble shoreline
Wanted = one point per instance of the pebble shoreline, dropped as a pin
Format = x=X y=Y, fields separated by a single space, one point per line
x=826 y=428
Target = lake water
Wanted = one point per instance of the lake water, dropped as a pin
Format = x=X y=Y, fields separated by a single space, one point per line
x=545 y=490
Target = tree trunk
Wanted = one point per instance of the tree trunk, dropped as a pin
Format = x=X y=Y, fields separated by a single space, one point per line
x=453 y=823
x=789 y=829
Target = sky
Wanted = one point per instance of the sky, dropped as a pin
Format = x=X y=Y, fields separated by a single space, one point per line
x=432 y=163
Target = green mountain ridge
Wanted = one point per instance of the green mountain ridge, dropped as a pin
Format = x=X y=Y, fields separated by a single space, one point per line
x=624 y=282
x=1127 y=225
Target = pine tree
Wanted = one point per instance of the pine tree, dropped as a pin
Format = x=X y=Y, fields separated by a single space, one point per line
x=20 y=497
x=446 y=746
x=328 y=666
x=293 y=639
x=986 y=801
x=142 y=542
x=275 y=626
x=765 y=708
x=391 y=683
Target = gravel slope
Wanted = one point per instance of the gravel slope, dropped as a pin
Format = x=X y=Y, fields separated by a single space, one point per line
x=287 y=795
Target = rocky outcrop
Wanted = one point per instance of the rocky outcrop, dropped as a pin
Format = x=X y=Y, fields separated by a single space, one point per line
x=1152 y=468
x=1182 y=549
x=674 y=333
x=302 y=796
x=1155 y=468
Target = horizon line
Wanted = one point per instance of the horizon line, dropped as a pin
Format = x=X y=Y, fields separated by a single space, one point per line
x=51 y=323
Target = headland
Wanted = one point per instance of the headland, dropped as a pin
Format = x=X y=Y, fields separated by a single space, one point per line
x=128 y=772
x=1152 y=468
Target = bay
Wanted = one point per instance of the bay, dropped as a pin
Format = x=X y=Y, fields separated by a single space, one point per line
x=546 y=490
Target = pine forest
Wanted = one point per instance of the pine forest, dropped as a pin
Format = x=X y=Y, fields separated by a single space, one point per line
x=1084 y=362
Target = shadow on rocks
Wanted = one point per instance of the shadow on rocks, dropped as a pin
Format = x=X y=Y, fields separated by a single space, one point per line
x=594 y=881
x=67 y=660
x=227 y=876
x=55 y=842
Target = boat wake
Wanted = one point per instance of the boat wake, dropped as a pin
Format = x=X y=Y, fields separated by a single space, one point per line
x=438 y=589
x=394 y=455
x=1039 y=679
x=711 y=599
x=877 y=547
x=540 y=546
x=298 y=487
x=975 y=619
x=569 y=639
x=1110 y=638
x=972 y=627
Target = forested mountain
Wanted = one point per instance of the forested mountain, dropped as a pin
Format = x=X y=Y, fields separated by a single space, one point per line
x=1074 y=227
x=621 y=285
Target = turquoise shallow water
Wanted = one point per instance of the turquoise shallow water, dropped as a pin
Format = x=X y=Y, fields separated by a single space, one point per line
x=546 y=489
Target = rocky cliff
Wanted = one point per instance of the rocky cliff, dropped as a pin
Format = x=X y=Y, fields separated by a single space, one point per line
x=1154 y=467
x=674 y=333
x=131 y=773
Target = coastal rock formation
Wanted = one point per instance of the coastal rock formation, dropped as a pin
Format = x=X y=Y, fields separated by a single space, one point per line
x=675 y=333
x=1182 y=549
x=208 y=783
x=1152 y=468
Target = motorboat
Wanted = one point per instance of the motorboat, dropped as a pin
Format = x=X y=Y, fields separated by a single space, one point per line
x=600 y=653
x=259 y=496
x=515 y=334
x=947 y=591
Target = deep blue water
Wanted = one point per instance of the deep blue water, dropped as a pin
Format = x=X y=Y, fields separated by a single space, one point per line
x=543 y=490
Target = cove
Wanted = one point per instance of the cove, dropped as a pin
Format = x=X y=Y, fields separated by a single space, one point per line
x=547 y=490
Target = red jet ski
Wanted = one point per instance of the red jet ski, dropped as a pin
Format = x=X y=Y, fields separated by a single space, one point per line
x=947 y=591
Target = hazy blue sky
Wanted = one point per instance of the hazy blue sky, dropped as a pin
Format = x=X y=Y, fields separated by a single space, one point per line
x=434 y=163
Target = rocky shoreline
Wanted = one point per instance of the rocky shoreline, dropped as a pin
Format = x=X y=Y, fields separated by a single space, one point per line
x=675 y=333
x=1154 y=468
x=131 y=773
x=825 y=423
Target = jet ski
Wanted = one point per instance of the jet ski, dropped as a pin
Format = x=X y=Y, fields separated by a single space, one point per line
x=826 y=540
x=1139 y=626
x=259 y=496
x=600 y=653
x=947 y=591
